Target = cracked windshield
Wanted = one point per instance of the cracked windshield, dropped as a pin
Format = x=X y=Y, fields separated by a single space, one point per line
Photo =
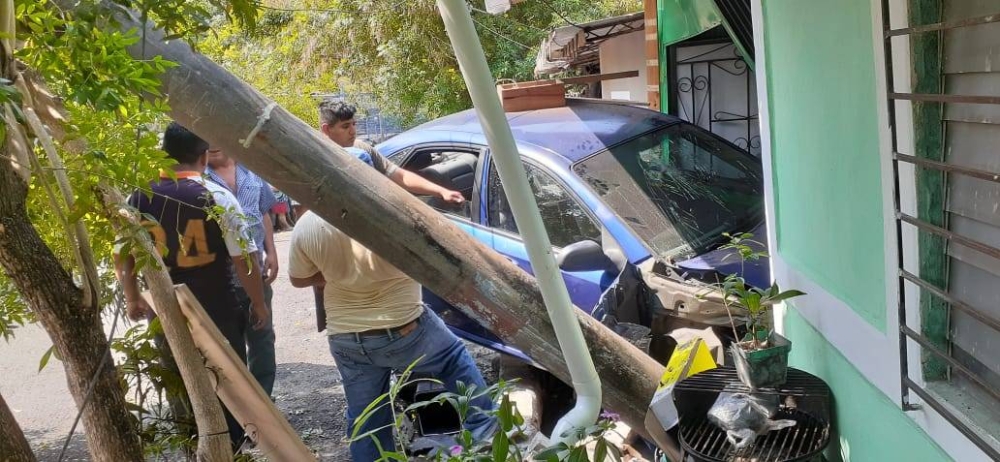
x=678 y=188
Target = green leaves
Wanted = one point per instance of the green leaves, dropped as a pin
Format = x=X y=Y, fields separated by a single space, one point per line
x=45 y=357
x=756 y=301
x=397 y=51
x=501 y=446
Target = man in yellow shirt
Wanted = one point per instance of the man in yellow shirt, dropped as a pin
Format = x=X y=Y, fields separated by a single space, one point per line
x=376 y=323
x=337 y=123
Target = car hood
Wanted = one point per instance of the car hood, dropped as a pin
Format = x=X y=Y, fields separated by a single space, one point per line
x=726 y=262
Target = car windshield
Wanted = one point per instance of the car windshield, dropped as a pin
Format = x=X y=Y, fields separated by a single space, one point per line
x=678 y=188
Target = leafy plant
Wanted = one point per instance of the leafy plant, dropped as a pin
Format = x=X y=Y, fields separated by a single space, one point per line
x=597 y=433
x=98 y=123
x=756 y=301
x=502 y=447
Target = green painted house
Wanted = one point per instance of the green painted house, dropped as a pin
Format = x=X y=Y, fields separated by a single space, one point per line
x=880 y=137
x=878 y=124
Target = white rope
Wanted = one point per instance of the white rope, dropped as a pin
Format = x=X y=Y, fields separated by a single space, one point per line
x=264 y=117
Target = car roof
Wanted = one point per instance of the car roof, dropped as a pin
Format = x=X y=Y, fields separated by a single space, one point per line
x=574 y=131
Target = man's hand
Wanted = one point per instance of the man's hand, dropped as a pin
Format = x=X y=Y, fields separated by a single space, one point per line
x=258 y=316
x=453 y=197
x=270 y=267
x=137 y=309
x=253 y=283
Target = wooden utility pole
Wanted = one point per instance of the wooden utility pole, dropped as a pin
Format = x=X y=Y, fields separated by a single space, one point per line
x=367 y=206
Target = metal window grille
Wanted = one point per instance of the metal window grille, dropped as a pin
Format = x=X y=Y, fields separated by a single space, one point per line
x=906 y=278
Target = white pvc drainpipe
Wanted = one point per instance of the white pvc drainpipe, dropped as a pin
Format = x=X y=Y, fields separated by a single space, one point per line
x=478 y=78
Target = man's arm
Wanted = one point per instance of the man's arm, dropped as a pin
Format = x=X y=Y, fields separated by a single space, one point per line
x=419 y=185
x=266 y=200
x=271 y=253
x=409 y=181
x=136 y=306
x=306 y=252
x=242 y=251
x=253 y=284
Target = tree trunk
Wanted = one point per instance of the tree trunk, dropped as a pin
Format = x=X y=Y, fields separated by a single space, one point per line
x=204 y=402
x=75 y=329
x=371 y=209
x=13 y=446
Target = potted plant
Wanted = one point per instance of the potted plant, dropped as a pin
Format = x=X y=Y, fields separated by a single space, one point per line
x=761 y=355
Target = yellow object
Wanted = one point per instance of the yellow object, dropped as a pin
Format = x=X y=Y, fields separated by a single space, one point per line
x=688 y=359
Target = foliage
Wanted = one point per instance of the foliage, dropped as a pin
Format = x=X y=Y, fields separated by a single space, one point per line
x=501 y=448
x=153 y=384
x=597 y=433
x=107 y=135
x=756 y=301
x=13 y=312
x=396 y=50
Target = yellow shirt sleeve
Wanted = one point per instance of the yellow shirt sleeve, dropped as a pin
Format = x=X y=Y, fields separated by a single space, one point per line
x=313 y=245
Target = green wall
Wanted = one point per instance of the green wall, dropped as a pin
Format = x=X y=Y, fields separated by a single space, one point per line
x=825 y=147
x=871 y=427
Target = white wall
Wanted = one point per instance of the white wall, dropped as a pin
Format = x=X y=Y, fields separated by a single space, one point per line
x=620 y=54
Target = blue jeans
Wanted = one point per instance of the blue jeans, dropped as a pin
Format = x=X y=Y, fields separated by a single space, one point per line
x=260 y=343
x=366 y=362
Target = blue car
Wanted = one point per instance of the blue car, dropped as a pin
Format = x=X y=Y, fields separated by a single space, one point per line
x=635 y=203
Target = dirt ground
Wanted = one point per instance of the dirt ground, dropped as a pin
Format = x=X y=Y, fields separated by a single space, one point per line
x=308 y=389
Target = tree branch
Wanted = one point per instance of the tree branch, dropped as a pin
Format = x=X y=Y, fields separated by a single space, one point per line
x=83 y=251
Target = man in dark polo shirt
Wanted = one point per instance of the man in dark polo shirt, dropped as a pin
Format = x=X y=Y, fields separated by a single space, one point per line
x=202 y=249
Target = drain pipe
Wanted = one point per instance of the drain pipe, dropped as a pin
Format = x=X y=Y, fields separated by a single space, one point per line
x=469 y=51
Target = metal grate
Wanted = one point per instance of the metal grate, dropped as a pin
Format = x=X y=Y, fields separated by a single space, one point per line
x=798 y=383
x=704 y=441
x=908 y=335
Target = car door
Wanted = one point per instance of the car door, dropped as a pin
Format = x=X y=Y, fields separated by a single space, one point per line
x=566 y=221
x=443 y=164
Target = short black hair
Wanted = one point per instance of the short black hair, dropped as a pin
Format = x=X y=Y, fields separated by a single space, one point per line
x=182 y=145
x=333 y=111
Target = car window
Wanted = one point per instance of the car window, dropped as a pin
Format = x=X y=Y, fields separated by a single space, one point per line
x=565 y=220
x=451 y=168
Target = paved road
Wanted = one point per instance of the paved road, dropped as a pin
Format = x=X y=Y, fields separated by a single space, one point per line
x=308 y=387
x=40 y=401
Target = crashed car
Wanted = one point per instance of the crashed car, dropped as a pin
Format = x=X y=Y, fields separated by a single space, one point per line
x=635 y=203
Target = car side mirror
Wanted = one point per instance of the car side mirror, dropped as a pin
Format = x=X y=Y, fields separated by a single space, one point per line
x=585 y=255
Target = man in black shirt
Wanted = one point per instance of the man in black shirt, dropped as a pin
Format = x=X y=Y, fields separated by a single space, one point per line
x=199 y=246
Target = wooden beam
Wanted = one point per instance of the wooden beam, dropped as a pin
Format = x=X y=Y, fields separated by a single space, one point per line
x=244 y=397
x=599 y=77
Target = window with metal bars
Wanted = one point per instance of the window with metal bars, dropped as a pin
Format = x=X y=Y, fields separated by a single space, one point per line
x=945 y=118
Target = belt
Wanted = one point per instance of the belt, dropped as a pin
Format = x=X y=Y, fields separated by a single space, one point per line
x=400 y=331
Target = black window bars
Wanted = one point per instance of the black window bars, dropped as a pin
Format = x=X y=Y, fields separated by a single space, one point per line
x=904 y=277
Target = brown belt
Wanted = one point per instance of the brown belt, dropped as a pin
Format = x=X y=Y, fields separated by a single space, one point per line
x=400 y=331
